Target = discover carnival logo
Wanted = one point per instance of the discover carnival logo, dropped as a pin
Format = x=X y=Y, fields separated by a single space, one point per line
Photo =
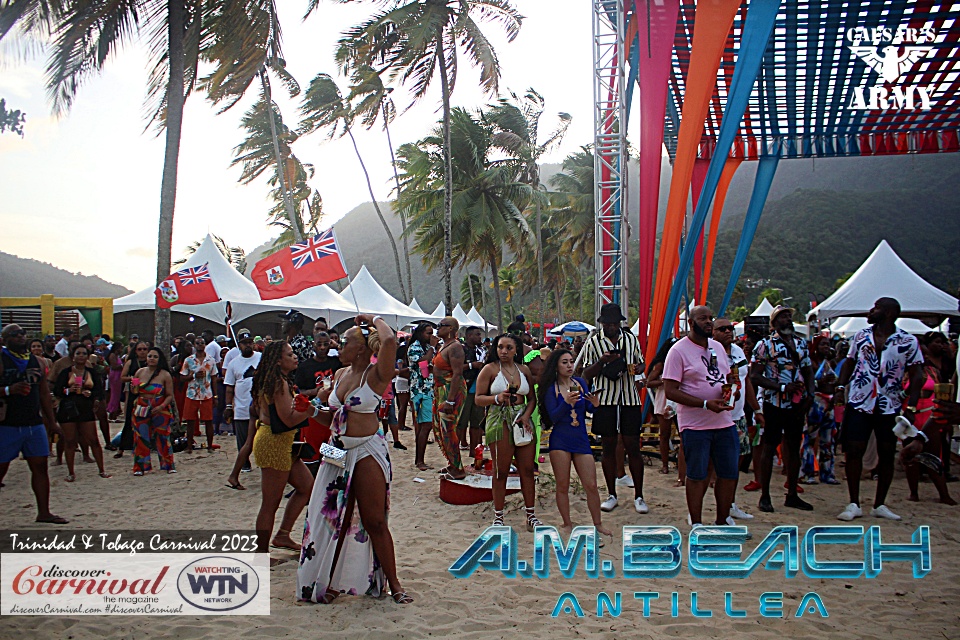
x=890 y=54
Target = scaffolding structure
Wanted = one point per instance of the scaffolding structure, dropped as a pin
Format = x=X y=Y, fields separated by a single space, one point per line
x=609 y=116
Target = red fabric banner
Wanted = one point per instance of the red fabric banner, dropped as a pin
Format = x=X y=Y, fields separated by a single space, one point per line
x=658 y=22
x=312 y=262
x=729 y=168
x=192 y=285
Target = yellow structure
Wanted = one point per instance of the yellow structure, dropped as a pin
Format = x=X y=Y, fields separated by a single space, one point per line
x=48 y=304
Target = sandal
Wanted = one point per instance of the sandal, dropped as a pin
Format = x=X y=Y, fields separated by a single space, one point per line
x=498 y=518
x=402 y=598
x=664 y=470
x=52 y=519
x=329 y=597
x=70 y=478
x=237 y=486
x=532 y=520
x=118 y=454
x=110 y=447
x=105 y=475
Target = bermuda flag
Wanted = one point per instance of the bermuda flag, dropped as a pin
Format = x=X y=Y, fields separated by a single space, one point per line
x=307 y=264
x=192 y=285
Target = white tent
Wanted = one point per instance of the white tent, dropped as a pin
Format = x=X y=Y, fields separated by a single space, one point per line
x=847 y=327
x=460 y=315
x=440 y=311
x=884 y=274
x=372 y=298
x=232 y=286
x=682 y=317
x=478 y=321
x=763 y=309
x=415 y=306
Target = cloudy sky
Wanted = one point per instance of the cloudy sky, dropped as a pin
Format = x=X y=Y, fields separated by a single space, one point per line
x=82 y=191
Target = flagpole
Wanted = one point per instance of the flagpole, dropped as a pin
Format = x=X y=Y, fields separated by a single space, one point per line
x=345 y=268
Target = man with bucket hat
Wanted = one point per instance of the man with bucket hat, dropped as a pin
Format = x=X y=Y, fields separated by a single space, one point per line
x=613 y=364
x=782 y=370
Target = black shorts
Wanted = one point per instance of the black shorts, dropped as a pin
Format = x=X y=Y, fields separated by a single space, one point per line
x=858 y=425
x=782 y=421
x=614 y=419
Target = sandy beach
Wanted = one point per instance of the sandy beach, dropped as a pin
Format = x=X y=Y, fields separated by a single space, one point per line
x=430 y=536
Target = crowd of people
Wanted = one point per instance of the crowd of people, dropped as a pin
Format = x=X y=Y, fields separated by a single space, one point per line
x=314 y=412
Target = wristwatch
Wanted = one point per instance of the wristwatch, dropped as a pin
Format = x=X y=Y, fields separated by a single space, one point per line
x=704 y=404
x=912 y=409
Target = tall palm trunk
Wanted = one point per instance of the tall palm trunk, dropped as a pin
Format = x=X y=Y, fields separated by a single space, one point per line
x=448 y=183
x=171 y=157
x=496 y=290
x=383 y=221
x=281 y=165
x=540 y=265
x=403 y=218
x=470 y=286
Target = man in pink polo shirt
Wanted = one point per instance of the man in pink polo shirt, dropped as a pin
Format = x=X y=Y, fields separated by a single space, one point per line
x=694 y=375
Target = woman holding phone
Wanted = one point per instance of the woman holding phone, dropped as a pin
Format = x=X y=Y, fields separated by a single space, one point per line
x=564 y=401
x=504 y=386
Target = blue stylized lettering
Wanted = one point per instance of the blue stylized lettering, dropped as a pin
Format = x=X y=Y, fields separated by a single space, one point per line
x=583 y=541
x=728 y=607
x=494 y=550
x=917 y=552
x=567 y=603
x=647 y=597
x=812 y=603
x=771 y=604
x=831 y=535
x=651 y=552
x=604 y=602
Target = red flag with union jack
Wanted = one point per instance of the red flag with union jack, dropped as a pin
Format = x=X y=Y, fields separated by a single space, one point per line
x=192 y=285
x=303 y=265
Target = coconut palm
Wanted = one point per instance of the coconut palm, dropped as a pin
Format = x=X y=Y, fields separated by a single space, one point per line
x=323 y=107
x=236 y=256
x=487 y=199
x=471 y=288
x=418 y=39
x=85 y=34
x=516 y=123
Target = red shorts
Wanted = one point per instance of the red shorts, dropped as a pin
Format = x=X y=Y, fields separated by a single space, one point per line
x=194 y=408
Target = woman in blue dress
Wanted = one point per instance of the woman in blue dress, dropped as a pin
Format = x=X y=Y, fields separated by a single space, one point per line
x=564 y=401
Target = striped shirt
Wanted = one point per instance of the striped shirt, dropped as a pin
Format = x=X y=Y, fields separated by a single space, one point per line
x=623 y=390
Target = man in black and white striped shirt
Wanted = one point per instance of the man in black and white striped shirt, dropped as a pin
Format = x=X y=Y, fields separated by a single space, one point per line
x=613 y=363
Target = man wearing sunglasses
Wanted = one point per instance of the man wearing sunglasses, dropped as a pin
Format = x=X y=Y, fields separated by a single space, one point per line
x=27 y=417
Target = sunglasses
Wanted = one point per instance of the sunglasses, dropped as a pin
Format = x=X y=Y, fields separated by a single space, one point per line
x=443 y=324
x=726 y=328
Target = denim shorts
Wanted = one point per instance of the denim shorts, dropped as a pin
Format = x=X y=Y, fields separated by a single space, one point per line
x=721 y=446
x=422 y=407
x=30 y=441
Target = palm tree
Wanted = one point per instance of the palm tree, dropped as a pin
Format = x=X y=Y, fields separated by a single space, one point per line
x=268 y=139
x=487 y=199
x=323 y=107
x=414 y=41
x=517 y=125
x=236 y=256
x=472 y=288
x=86 y=34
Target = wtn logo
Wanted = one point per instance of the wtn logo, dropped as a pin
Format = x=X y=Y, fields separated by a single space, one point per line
x=224 y=584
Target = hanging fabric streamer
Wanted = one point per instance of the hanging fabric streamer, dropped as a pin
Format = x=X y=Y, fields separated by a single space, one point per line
x=729 y=169
x=756 y=33
x=766 y=169
x=657 y=24
x=696 y=188
x=715 y=17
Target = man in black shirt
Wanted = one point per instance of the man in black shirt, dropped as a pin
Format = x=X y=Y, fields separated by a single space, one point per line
x=22 y=430
x=473 y=416
x=312 y=372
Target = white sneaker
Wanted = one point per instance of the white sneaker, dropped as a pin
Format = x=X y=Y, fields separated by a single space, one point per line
x=738 y=513
x=609 y=504
x=641 y=506
x=625 y=481
x=852 y=511
x=695 y=526
x=883 y=512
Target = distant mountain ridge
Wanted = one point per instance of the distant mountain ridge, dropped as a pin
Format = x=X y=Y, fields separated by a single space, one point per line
x=23 y=277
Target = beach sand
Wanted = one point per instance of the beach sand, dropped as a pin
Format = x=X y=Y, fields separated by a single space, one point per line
x=431 y=535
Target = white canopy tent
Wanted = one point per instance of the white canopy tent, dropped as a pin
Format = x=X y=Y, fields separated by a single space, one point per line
x=763 y=309
x=415 y=306
x=885 y=274
x=847 y=327
x=440 y=311
x=478 y=321
x=460 y=315
x=372 y=298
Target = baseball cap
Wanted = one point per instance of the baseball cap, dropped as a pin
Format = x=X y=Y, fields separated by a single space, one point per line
x=292 y=316
x=221 y=338
x=244 y=334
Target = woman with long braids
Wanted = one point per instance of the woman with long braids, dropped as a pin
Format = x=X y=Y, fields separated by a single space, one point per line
x=277 y=427
x=504 y=386
x=152 y=414
x=136 y=360
x=343 y=553
x=564 y=401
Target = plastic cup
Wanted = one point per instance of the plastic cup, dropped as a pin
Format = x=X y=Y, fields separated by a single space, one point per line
x=424 y=368
x=135 y=382
x=727 y=392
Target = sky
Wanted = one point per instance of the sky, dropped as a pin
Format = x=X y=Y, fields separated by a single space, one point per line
x=83 y=191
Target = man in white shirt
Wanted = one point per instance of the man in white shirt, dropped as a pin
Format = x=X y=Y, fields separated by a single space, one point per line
x=238 y=382
x=62 y=348
x=212 y=349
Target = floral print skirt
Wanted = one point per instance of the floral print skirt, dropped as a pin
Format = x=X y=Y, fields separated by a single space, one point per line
x=357 y=569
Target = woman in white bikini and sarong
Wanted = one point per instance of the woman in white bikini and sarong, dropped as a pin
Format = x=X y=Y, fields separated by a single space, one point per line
x=343 y=551
x=503 y=385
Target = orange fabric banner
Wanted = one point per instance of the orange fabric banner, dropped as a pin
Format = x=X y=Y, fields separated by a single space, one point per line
x=729 y=168
x=715 y=18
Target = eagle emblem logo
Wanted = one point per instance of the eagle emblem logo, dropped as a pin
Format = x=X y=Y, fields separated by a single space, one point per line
x=887 y=60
